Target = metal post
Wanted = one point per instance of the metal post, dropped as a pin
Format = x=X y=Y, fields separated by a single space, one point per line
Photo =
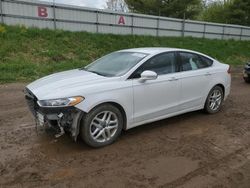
x=158 y=27
x=54 y=14
x=241 y=33
x=132 y=25
x=223 y=32
x=1 y=11
x=97 y=22
x=183 y=25
x=183 y=28
x=204 y=31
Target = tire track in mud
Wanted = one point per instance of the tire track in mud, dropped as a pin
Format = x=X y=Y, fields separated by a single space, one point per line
x=154 y=152
x=204 y=170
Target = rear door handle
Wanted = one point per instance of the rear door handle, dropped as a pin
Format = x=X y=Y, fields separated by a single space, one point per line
x=208 y=74
x=173 y=79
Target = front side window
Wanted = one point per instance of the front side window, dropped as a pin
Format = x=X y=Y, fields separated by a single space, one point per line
x=115 y=64
x=161 y=64
x=191 y=61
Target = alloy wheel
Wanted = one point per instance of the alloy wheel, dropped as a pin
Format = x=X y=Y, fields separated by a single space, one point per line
x=215 y=99
x=103 y=126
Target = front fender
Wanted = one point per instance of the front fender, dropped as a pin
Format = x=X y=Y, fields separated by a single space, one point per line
x=123 y=97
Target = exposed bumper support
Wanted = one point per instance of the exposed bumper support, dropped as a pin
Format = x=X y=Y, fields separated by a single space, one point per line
x=66 y=119
x=62 y=132
x=76 y=124
x=65 y=122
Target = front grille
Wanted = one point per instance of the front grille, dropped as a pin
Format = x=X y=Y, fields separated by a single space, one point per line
x=31 y=101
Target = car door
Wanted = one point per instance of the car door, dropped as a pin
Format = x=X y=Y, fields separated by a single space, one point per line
x=156 y=98
x=194 y=78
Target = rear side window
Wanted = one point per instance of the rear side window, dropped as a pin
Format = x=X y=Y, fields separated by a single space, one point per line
x=191 y=61
x=206 y=61
x=161 y=64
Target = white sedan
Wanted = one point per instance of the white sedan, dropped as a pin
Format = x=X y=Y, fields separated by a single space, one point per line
x=126 y=89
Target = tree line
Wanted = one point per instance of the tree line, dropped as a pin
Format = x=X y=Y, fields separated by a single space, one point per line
x=220 y=11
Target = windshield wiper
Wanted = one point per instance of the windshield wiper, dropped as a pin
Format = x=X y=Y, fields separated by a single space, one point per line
x=95 y=72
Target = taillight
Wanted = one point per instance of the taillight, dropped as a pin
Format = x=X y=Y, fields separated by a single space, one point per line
x=229 y=69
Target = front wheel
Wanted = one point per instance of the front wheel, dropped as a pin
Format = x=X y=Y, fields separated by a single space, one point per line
x=214 y=100
x=102 y=125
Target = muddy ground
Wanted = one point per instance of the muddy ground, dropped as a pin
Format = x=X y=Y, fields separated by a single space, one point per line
x=191 y=150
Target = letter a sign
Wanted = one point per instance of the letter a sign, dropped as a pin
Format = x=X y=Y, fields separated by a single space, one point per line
x=121 y=20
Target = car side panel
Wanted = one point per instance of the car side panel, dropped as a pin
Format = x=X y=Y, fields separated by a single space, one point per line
x=122 y=94
x=155 y=98
x=194 y=87
x=219 y=76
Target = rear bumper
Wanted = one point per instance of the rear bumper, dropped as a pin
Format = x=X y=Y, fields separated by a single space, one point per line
x=59 y=119
x=227 y=86
x=227 y=92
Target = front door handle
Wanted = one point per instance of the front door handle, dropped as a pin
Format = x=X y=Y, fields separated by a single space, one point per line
x=208 y=74
x=173 y=79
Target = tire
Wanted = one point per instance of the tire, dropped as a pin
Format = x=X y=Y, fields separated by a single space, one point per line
x=247 y=79
x=98 y=127
x=216 y=93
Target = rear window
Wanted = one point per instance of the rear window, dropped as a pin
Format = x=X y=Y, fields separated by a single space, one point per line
x=192 y=61
x=207 y=62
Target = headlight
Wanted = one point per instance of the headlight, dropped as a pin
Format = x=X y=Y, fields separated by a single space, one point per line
x=63 y=102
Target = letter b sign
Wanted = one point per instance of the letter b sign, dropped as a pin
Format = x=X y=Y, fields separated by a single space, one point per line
x=42 y=12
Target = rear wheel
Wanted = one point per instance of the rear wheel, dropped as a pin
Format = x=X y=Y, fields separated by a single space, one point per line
x=214 y=100
x=102 y=125
x=247 y=79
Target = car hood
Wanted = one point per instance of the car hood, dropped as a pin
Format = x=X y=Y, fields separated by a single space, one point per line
x=64 y=84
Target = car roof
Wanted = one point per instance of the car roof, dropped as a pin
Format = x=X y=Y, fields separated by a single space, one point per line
x=156 y=50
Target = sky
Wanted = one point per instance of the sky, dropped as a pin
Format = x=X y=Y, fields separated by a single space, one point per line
x=87 y=3
x=90 y=3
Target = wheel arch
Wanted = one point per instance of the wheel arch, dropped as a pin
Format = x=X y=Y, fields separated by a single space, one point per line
x=205 y=103
x=213 y=86
x=218 y=84
x=119 y=107
x=222 y=87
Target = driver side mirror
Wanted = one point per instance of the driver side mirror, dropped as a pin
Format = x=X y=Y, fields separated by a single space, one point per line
x=148 y=75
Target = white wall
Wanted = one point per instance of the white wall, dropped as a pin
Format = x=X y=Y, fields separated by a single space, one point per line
x=45 y=15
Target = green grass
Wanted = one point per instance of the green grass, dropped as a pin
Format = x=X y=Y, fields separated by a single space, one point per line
x=28 y=54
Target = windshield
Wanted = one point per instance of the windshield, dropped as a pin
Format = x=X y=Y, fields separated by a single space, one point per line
x=115 y=64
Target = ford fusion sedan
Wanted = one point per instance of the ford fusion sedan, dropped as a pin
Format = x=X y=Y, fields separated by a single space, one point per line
x=126 y=89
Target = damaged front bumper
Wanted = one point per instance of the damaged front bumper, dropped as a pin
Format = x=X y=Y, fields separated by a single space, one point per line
x=59 y=119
